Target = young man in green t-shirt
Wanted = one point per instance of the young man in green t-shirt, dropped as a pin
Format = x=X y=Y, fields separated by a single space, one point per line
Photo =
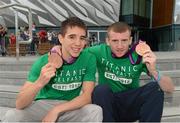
x=119 y=67
x=60 y=94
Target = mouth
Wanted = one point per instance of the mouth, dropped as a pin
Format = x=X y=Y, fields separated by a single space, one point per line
x=119 y=52
x=76 y=50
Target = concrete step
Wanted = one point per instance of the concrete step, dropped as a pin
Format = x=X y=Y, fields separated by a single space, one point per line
x=174 y=74
x=165 y=61
x=21 y=66
x=168 y=64
x=170 y=114
x=8 y=94
x=171 y=119
x=13 y=77
x=172 y=99
x=13 y=74
x=11 y=64
x=3 y=110
x=19 y=77
x=171 y=111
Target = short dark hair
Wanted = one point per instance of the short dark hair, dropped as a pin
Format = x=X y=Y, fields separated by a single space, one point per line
x=72 y=22
x=119 y=27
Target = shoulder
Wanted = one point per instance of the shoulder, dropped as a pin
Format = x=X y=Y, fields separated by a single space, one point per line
x=98 y=48
x=86 y=54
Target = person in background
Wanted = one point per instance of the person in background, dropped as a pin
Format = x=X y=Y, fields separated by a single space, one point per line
x=42 y=36
x=3 y=32
x=12 y=39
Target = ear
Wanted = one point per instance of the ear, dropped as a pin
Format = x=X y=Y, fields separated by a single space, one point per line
x=60 y=37
x=130 y=40
x=107 y=40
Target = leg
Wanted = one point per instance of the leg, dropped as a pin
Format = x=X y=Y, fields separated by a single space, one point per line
x=143 y=104
x=88 y=113
x=34 y=113
x=152 y=108
x=103 y=96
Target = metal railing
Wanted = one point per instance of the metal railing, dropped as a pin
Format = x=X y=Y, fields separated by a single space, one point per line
x=16 y=25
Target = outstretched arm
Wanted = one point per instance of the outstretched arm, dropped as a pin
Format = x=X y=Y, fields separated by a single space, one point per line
x=165 y=82
x=29 y=90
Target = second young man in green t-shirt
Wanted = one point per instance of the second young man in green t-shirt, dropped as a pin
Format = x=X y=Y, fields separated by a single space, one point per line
x=119 y=67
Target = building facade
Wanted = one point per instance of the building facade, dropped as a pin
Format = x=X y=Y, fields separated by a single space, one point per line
x=155 y=21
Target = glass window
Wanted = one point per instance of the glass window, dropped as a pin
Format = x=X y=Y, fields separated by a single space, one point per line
x=148 y=8
x=102 y=36
x=136 y=5
x=127 y=7
x=142 y=6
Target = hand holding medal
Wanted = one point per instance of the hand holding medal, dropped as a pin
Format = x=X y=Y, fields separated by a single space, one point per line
x=142 y=48
x=149 y=58
x=55 y=59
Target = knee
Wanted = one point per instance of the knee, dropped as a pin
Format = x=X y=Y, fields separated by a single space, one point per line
x=13 y=115
x=94 y=112
x=156 y=90
x=101 y=90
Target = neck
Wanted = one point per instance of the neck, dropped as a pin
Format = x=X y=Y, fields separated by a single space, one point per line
x=65 y=55
x=67 y=58
x=124 y=56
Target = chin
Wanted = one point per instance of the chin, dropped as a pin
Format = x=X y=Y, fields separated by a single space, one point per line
x=75 y=54
x=119 y=55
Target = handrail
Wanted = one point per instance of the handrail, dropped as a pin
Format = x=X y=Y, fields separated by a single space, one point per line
x=16 y=24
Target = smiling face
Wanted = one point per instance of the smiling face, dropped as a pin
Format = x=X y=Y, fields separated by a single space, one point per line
x=119 y=38
x=72 y=37
x=73 y=42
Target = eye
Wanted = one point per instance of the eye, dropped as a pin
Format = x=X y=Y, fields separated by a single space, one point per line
x=115 y=41
x=72 y=37
x=83 y=38
x=125 y=40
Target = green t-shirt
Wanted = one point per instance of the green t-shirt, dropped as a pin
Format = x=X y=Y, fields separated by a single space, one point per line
x=118 y=73
x=67 y=82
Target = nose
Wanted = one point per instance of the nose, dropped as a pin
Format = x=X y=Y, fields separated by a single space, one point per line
x=78 y=41
x=120 y=45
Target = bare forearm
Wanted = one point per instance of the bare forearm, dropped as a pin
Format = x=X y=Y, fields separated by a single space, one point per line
x=76 y=103
x=26 y=96
x=166 y=84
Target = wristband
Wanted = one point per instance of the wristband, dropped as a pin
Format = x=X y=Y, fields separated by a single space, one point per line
x=158 y=77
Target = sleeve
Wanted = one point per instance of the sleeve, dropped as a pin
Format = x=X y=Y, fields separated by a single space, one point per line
x=91 y=69
x=94 y=50
x=35 y=70
x=144 y=68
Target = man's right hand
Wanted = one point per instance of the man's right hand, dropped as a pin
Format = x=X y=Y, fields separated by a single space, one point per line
x=47 y=72
x=55 y=59
x=55 y=56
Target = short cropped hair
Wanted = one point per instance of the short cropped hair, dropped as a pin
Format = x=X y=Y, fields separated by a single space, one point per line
x=119 y=27
x=72 y=22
